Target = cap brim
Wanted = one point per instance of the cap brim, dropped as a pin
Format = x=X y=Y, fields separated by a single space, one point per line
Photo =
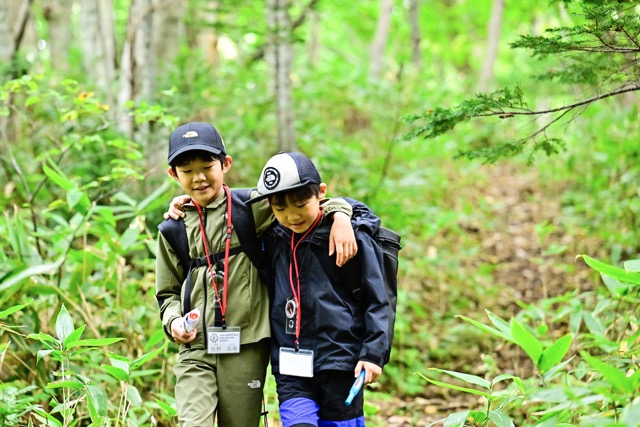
x=264 y=196
x=192 y=147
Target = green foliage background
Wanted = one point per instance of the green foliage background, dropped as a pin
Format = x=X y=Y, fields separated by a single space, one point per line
x=80 y=202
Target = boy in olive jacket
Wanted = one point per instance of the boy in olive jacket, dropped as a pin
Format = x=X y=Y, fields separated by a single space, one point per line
x=222 y=362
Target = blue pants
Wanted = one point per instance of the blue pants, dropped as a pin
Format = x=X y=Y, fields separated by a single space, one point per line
x=319 y=401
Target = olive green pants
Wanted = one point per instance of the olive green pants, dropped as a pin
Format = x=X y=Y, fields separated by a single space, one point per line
x=227 y=385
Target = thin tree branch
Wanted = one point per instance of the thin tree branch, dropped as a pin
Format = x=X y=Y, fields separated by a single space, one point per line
x=566 y=107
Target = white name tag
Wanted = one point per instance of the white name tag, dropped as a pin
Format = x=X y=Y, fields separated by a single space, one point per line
x=223 y=341
x=297 y=363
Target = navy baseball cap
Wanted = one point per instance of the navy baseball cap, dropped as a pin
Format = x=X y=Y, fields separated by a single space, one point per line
x=195 y=136
x=284 y=172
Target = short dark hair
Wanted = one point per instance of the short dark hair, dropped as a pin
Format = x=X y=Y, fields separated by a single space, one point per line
x=189 y=156
x=295 y=195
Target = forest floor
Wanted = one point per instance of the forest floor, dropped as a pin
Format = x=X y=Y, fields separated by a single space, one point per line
x=520 y=204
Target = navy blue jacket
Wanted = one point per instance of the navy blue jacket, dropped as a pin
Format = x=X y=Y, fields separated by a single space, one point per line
x=340 y=329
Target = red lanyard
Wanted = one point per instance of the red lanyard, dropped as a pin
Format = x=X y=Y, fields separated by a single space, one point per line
x=296 y=294
x=221 y=302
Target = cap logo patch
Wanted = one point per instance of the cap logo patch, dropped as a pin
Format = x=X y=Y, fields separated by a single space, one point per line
x=271 y=178
x=190 y=134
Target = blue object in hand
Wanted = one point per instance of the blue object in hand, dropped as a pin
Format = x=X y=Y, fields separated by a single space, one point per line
x=355 y=388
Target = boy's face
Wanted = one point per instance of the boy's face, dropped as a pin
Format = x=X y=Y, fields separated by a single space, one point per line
x=202 y=179
x=298 y=216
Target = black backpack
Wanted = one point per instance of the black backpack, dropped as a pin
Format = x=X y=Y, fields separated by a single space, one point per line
x=389 y=242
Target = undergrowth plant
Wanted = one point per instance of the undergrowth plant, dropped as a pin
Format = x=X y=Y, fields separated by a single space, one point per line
x=74 y=237
x=598 y=385
x=79 y=389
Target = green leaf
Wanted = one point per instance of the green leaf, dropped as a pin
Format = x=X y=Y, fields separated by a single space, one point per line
x=154 y=200
x=98 y=399
x=457 y=419
x=45 y=418
x=56 y=175
x=500 y=419
x=74 y=336
x=46 y=339
x=64 y=324
x=76 y=385
x=12 y=310
x=609 y=270
x=146 y=357
x=612 y=375
x=526 y=341
x=42 y=353
x=156 y=338
x=500 y=323
x=471 y=379
x=96 y=342
x=120 y=362
x=554 y=354
x=632 y=265
x=167 y=408
x=615 y=286
x=485 y=328
x=503 y=377
x=630 y=414
x=454 y=387
x=133 y=396
x=116 y=372
x=478 y=417
x=548 y=375
x=78 y=200
x=36 y=270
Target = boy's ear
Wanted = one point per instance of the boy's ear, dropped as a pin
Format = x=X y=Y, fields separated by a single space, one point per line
x=227 y=164
x=323 y=190
x=171 y=173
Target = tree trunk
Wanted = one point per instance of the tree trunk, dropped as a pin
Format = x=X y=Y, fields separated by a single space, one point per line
x=57 y=13
x=414 y=22
x=133 y=62
x=493 y=31
x=169 y=31
x=280 y=56
x=97 y=35
x=208 y=35
x=6 y=34
x=376 y=60
x=14 y=17
x=314 y=38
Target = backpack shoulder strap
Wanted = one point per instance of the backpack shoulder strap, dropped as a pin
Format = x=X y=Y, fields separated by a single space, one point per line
x=176 y=234
x=245 y=227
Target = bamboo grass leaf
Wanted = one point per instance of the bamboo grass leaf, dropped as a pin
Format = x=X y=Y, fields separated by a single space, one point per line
x=526 y=341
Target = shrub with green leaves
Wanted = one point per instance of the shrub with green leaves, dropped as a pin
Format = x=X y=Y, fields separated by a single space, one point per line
x=597 y=386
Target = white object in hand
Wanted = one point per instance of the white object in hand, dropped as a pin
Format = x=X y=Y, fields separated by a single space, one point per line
x=191 y=319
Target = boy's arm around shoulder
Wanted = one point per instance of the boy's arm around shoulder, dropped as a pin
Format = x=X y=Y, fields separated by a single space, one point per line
x=168 y=284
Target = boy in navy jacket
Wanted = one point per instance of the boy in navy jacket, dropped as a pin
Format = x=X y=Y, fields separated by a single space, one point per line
x=322 y=336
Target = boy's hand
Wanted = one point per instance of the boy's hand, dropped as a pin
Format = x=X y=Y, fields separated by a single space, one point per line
x=342 y=239
x=373 y=371
x=175 y=207
x=178 y=333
